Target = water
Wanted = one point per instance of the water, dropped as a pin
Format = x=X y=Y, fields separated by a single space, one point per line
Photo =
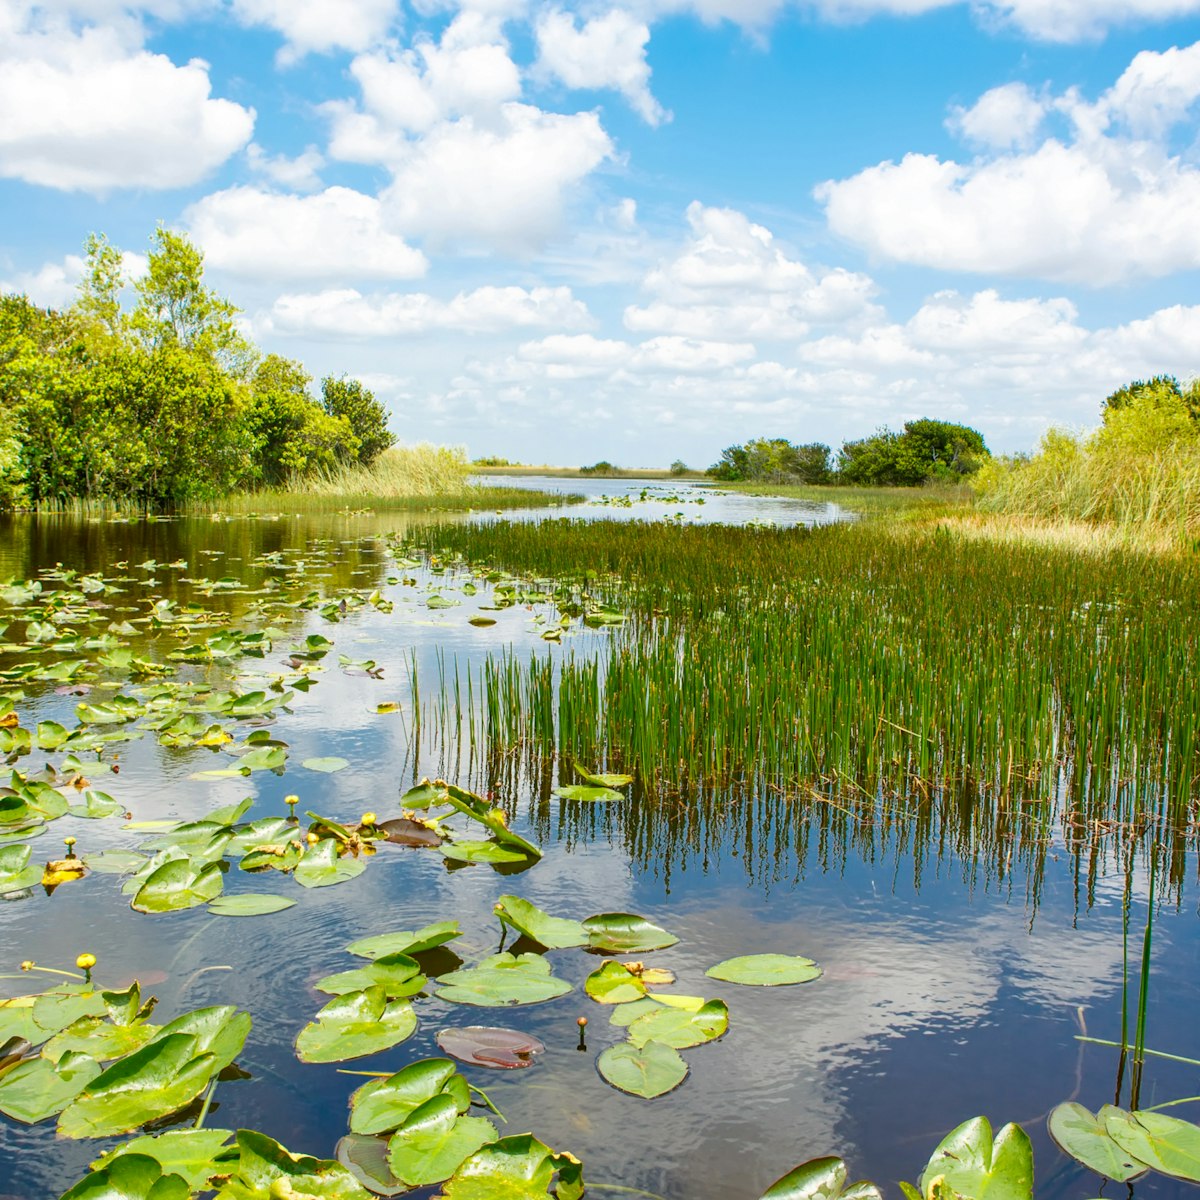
x=955 y=979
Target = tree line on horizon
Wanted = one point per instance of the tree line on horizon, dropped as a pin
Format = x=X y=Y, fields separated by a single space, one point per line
x=167 y=402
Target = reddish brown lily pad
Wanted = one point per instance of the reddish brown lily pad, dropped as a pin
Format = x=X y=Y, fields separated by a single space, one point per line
x=487 y=1046
x=403 y=832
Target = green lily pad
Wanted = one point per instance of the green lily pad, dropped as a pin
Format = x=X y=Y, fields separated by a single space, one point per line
x=555 y=933
x=434 y=1141
x=1165 y=1143
x=130 y=1177
x=177 y=885
x=625 y=933
x=647 y=1071
x=220 y=1031
x=161 y=1078
x=405 y=942
x=96 y=806
x=588 y=792
x=355 y=1025
x=38 y=1088
x=114 y=862
x=614 y=983
x=503 y=979
x=249 y=904
x=383 y=1104
x=262 y=1162
x=765 y=970
x=604 y=781
x=973 y=1165
x=516 y=1168
x=100 y=1039
x=327 y=766
x=397 y=974
x=494 y=853
x=679 y=1028
x=192 y=1154
x=16 y=874
x=322 y=867
x=55 y=1010
x=820 y=1179
x=1083 y=1136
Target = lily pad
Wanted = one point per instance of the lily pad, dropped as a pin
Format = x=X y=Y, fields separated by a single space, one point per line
x=192 y=1154
x=366 y=1159
x=114 y=862
x=820 y=1179
x=321 y=866
x=588 y=792
x=679 y=1028
x=973 y=1165
x=356 y=1025
x=130 y=1177
x=488 y=1046
x=516 y=1168
x=503 y=979
x=625 y=933
x=614 y=983
x=263 y=1163
x=405 y=942
x=161 y=1078
x=1083 y=1135
x=555 y=933
x=327 y=766
x=434 y=1141
x=494 y=853
x=1165 y=1143
x=249 y=904
x=765 y=970
x=397 y=974
x=15 y=872
x=38 y=1088
x=405 y=832
x=220 y=1031
x=177 y=885
x=604 y=781
x=383 y=1104
x=648 y=1071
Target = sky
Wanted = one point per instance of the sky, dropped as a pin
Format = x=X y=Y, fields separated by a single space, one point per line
x=646 y=230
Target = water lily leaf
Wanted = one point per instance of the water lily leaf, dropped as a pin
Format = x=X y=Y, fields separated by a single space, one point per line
x=96 y=806
x=494 y=819
x=355 y=1025
x=679 y=1028
x=262 y=1162
x=1083 y=1135
x=366 y=1159
x=326 y=766
x=483 y=852
x=383 y=1104
x=51 y=735
x=249 y=904
x=765 y=970
x=273 y=856
x=263 y=758
x=220 y=1031
x=1165 y=1143
x=516 y=1168
x=15 y=872
x=604 y=781
x=267 y=831
x=405 y=942
x=321 y=866
x=438 y=601
x=38 y=1088
x=193 y=1154
x=588 y=792
x=973 y=1165
x=488 y=1046
x=555 y=933
x=159 y=1079
x=130 y=1177
x=625 y=933
x=397 y=974
x=503 y=979
x=177 y=885
x=647 y=1071
x=405 y=832
x=434 y=1140
x=481 y=622
x=614 y=983
x=100 y=1039
x=60 y=1007
x=820 y=1179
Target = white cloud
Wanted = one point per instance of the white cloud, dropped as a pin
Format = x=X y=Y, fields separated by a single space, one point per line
x=299 y=173
x=608 y=51
x=1077 y=20
x=1004 y=117
x=320 y=25
x=689 y=355
x=348 y=313
x=732 y=279
x=86 y=111
x=53 y=285
x=335 y=234
x=1098 y=207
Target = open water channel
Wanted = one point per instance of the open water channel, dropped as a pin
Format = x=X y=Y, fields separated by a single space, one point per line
x=956 y=977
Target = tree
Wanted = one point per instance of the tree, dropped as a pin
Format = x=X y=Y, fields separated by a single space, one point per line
x=773 y=460
x=98 y=305
x=926 y=450
x=349 y=400
x=175 y=308
x=1159 y=391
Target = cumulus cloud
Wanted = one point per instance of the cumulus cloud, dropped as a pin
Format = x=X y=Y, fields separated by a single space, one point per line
x=1004 y=117
x=52 y=285
x=731 y=279
x=348 y=313
x=1077 y=20
x=336 y=234
x=87 y=111
x=299 y=173
x=320 y=25
x=608 y=51
x=1106 y=203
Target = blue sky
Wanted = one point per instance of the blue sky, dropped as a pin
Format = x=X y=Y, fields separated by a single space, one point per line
x=641 y=230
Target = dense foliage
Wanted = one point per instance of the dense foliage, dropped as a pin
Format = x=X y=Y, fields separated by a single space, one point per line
x=926 y=451
x=165 y=403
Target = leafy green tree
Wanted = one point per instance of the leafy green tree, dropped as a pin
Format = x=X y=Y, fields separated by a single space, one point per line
x=773 y=460
x=98 y=305
x=349 y=400
x=1159 y=391
x=926 y=450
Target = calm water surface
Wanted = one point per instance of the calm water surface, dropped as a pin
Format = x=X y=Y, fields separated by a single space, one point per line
x=957 y=972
